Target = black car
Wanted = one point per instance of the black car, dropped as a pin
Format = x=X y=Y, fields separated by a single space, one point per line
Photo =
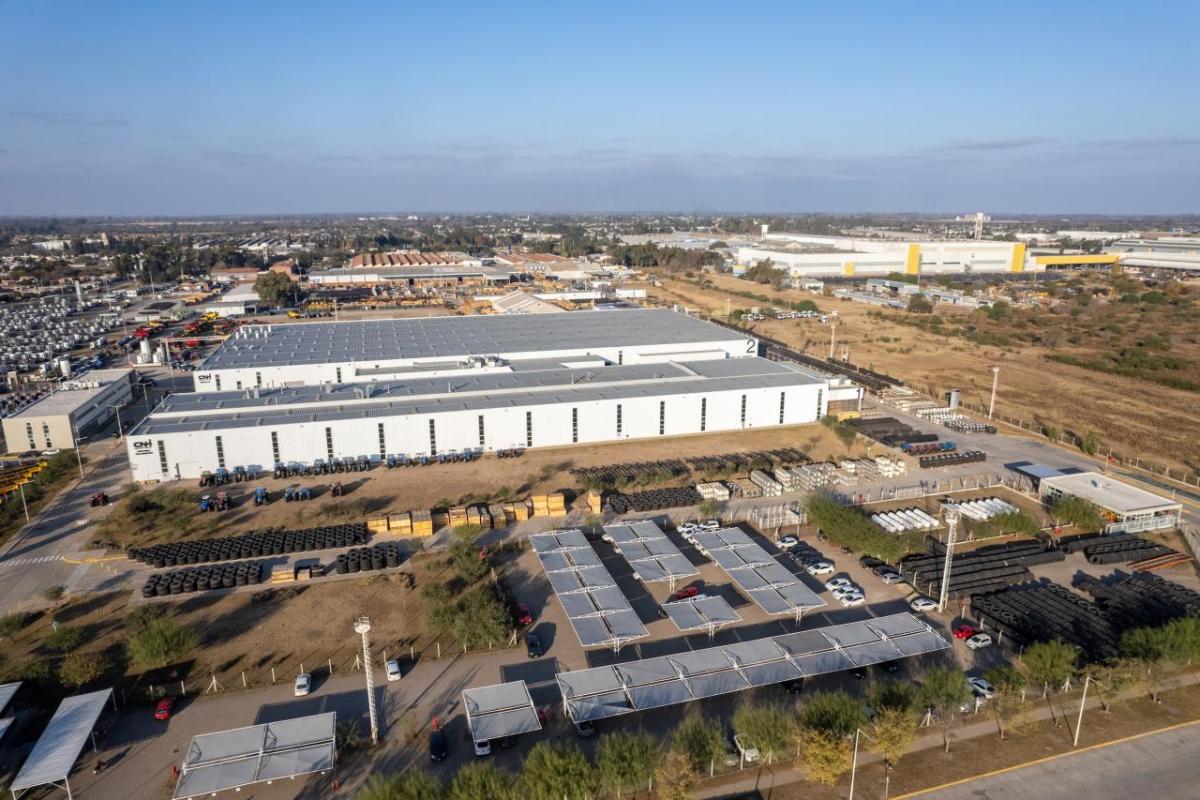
x=533 y=646
x=890 y=667
x=859 y=672
x=507 y=743
x=870 y=562
x=438 y=745
x=585 y=729
x=795 y=686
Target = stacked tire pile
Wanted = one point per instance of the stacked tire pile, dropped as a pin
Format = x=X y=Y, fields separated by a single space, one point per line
x=653 y=500
x=1045 y=611
x=1132 y=549
x=250 y=545
x=203 y=579
x=984 y=570
x=1080 y=541
x=365 y=559
x=950 y=459
x=887 y=430
x=969 y=426
x=1141 y=599
x=915 y=437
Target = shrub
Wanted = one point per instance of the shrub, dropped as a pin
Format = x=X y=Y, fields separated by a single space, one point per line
x=64 y=640
x=79 y=669
x=159 y=643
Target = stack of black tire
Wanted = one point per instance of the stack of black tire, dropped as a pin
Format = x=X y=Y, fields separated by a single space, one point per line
x=1131 y=549
x=1141 y=599
x=916 y=437
x=984 y=570
x=1041 y=612
x=654 y=500
x=364 y=559
x=887 y=430
x=203 y=579
x=1079 y=541
x=251 y=545
x=950 y=459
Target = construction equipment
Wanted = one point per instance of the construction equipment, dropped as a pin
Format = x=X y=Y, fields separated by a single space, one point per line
x=335 y=489
x=206 y=502
x=206 y=479
x=99 y=499
x=222 y=501
x=260 y=496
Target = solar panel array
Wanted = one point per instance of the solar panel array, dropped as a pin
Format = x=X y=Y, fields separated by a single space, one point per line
x=597 y=608
x=618 y=689
x=494 y=712
x=768 y=583
x=652 y=555
x=706 y=613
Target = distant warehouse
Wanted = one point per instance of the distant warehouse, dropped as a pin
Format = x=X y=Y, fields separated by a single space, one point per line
x=476 y=385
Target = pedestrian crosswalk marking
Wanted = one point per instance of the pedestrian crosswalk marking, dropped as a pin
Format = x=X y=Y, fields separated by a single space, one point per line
x=21 y=562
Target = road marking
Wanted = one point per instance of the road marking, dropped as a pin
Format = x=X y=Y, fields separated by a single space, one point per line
x=1045 y=759
x=21 y=562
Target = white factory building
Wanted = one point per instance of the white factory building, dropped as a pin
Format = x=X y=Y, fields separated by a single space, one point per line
x=466 y=384
x=805 y=256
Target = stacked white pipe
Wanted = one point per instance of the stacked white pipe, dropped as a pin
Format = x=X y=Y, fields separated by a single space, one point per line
x=982 y=509
x=907 y=519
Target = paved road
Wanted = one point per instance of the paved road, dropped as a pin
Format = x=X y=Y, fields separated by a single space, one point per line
x=1162 y=766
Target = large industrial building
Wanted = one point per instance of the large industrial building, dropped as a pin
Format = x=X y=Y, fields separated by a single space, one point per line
x=427 y=387
x=76 y=408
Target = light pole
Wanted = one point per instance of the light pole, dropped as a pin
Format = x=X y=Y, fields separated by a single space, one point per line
x=854 y=760
x=362 y=626
x=76 y=442
x=24 y=505
x=1082 y=705
x=952 y=523
x=995 y=382
x=120 y=430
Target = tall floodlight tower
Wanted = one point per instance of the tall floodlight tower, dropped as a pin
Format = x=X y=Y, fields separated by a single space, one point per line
x=362 y=626
x=995 y=383
x=952 y=523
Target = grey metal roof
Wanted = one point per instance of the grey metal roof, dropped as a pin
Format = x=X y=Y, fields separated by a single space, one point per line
x=768 y=583
x=560 y=392
x=440 y=337
x=60 y=744
x=402 y=271
x=494 y=712
x=701 y=613
x=7 y=691
x=65 y=401
x=243 y=756
x=610 y=691
x=597 y=609
x=652 y=555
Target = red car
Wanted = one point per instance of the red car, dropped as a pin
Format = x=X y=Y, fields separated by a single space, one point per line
x=523 y=615
x=164 y=708
x=685 y=593
x=964 y=632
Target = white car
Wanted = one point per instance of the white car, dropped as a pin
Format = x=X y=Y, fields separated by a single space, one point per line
x=981 y=688
x=922 y=605
x=842 y=591
x=851 y=600
x=819 y=568
x=483 y=748
x=685 y=528
x=833 y=583
x=787 y=542
x=710 y=525
x=748 y=752
x=979 y=641
x=392 y=668
x=303 y=684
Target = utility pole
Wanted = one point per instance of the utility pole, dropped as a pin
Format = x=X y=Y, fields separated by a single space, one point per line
x=362 y=626
x=1082 y=705
x=854 y=760
x=832 y=335
x=120 y=430
x=952 y=522
x=995 y=382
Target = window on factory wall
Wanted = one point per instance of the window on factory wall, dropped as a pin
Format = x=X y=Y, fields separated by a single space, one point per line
x=275 y=445
x=481 y=432
x=339 y=374
x=382 y=443
x=782 y=401
x=620 y=356
x=619 y=421
x=217 y=378
x=220 y=453
x=662 y=417
x=329 y=443
x=432 y=438
x=743 y=411
x=703 y=413
x=258 y=379
x=46 y=435
x=529 y=429
x=574 y=425
x=29 y=433
x=162 y=457
x=820 y=397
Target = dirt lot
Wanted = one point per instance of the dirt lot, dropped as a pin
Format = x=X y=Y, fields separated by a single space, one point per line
x=1134 y=416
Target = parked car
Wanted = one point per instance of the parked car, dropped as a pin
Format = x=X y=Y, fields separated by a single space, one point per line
x=980 y=687
x=533 y=646
x=523 y=616
x=787 y=542
x=890 y=667
x=483 y=748
x=794 y=686
x=851 y=600
x=585 y=729
x=686 y=593
x=439 y=746
x=833 y=583
x=869 y=562
x=842 y=591
x=891 y=578
x=303 y=684
x=922 y=605
x=819 y=568
x=164 y=708
x=979 y=641
x=746 y=750
x=392 y=668
x=963 y=632
x=710 y=525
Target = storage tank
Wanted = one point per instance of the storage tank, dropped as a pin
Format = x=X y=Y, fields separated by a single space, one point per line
x=64 y=367
x=146 y=352
x=952 y=399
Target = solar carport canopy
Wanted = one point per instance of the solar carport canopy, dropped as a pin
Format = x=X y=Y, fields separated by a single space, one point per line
x=494 y=712
x=60 y=744
x=701 y=613
x=610 y=691
x=7 y=692
x=598 y=610
x=244 y=756
x=652 y=555
x=768 y=583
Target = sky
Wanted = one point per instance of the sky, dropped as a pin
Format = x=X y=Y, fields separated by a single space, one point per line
x=172 y=108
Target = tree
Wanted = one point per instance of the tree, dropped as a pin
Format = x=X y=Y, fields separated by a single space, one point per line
x=699 y=738
x=825 y=755
x=1051 y=664
x=674 y=776
x=894 y=725
x=465 y=555
x=555 y=772
x=625 y=761
x=835 y=712
x=79 y=669
x=64 y=640
x=1008 y=704
x=274 y=288
x=944 y=692
x=1113 y=678
x=1077 y=511
x=708 y=508
x=769 y=727
x=481 y=780
x=919 y=304
x=480 y=618
x=828 y=720
x=1090 y=443
x=410 y=783
x=159 y=643
x=12 y=624
x=1182 y=638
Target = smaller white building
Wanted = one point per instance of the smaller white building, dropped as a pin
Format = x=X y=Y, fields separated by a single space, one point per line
x=76 y=408
x=1127 y=508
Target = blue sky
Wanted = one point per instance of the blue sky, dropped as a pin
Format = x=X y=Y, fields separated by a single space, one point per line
x=256 y=107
